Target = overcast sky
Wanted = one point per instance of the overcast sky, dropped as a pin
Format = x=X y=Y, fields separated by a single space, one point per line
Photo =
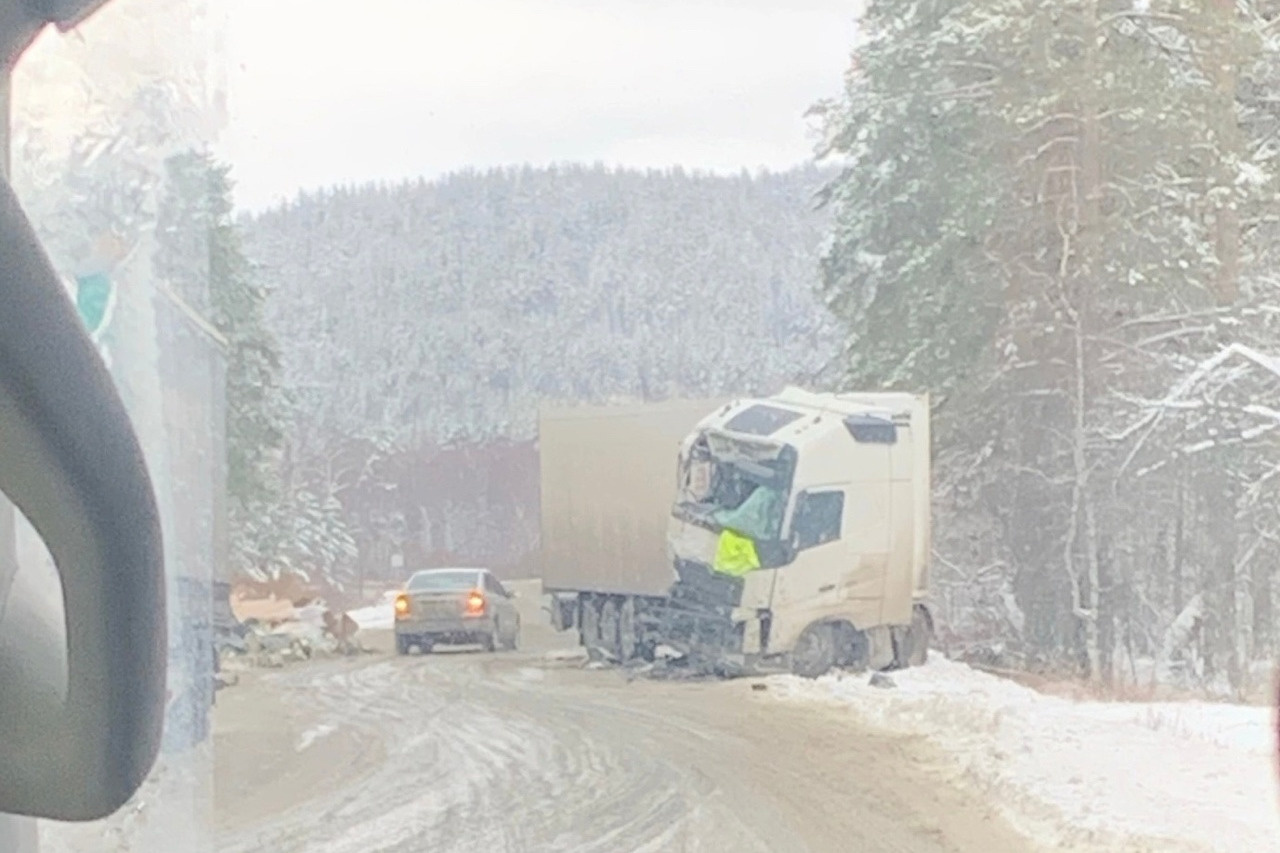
x=320 y=95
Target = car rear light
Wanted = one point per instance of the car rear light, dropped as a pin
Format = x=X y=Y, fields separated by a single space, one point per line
x=402 y=606
x=475 y=603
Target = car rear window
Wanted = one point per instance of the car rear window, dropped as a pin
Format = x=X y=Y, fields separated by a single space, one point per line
x=445 y=580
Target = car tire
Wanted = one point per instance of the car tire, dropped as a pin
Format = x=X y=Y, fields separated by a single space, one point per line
x=425 y=645
x=402 y=644
x=513 y=642
x=490 y=641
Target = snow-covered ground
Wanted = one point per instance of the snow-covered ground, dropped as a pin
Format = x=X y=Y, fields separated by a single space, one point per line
x=376 y=617
x=1161 y=776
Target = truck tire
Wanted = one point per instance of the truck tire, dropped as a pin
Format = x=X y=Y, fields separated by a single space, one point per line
x=628 y=637
x=815 y=652
x=610 y=619
x=851 y=646
x=589 y=623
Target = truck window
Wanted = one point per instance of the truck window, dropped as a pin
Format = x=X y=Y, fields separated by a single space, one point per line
x=817 y=519
x=761 y=420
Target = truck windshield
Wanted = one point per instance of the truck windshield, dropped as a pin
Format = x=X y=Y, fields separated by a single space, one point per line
x=758 y=516
x=749 y=498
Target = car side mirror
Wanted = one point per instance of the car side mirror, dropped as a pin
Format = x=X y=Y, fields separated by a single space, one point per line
x=78 y=738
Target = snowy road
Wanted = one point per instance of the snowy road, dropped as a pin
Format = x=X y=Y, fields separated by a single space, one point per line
x=511 y=752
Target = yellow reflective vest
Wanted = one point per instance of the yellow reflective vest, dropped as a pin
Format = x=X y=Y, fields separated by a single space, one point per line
x=735 y=554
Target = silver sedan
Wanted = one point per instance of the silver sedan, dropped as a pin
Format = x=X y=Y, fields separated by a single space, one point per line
x=455 y=606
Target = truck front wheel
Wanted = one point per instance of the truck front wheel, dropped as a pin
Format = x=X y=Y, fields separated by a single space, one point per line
x=815 y=652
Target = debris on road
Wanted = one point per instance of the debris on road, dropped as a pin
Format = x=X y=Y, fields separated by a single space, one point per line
x=879 y=679
x=276 y=631
x=573 y=654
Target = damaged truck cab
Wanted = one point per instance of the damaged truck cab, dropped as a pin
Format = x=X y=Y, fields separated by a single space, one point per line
x=785 y=532
x=800 y=534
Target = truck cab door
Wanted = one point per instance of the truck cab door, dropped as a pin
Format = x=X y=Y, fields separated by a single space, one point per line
x=839 y=540
x=806 y=586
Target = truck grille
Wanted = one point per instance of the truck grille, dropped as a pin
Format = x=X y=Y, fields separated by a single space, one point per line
x=697 y=617
x=699 y=588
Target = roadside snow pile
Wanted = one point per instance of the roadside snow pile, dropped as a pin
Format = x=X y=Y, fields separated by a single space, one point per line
x=376 y=617
x=1180 y=776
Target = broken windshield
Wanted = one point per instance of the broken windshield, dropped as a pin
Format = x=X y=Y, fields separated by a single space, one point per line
x=759 y=516
x=744 y=495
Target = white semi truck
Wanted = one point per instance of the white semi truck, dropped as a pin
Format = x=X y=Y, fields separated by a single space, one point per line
x=788 y=532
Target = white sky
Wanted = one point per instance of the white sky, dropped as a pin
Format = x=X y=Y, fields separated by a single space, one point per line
x=321 y=95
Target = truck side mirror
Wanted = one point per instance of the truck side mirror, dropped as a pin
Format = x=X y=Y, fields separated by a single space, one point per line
x=78 y=740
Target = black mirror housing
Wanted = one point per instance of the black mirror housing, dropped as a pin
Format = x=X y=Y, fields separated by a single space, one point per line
x=76 y=745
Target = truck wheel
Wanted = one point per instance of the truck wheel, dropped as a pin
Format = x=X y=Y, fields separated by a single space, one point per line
x=589 y=622
x=851 y=646
x=610 y=618
x=627 y=639
x=425 y=645
x=815 y=652
x=918 y=637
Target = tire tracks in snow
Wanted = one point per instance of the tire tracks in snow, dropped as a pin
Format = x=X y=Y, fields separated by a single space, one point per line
x=478 y=756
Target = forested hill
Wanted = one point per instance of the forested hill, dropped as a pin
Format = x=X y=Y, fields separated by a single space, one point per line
x=440 y=311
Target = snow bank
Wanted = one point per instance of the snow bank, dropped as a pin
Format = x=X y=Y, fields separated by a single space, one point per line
x=376 y=617
x=1176 y=776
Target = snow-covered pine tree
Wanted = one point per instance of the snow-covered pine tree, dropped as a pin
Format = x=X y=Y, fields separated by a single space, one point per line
x=1030 y=190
